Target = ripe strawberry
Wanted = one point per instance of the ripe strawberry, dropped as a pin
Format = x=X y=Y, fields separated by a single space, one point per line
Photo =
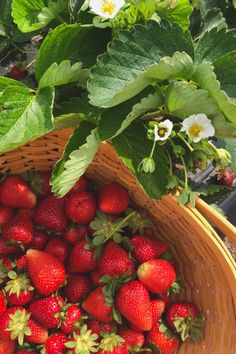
x=7 y=249
x=58 y=248
x=7 y=346
x=5 y=215
x=18 y=289
x=26 y=213
x=21 y=262
x=166 y=342
x=157 y=275
x=18 y=229
x=113 y=344
x=95 y=277
x=3 y=305
x=134 y=340
x=16 y=193
x=46 y=272
x=158 y=307
x=24 y=351
x=81 y=259
x=80 y=186
x=39 y=182
x=18 y=72
x=226 y=177
x=77 y=286
x=145 y=248
x=115 y=261
x=184 y=318
x=56 y=344
x=46 y=311
x=98 y=327
x=133 y=302
x=71 y=318
x=82 y=341
x=113 y=199
x=81 y=207
x=95 y=305
x=40 y=240
x=5 y=267
x=50 y=213
x=75 y=233
x=38 y=335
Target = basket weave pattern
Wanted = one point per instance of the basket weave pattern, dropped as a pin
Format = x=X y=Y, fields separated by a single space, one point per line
x=207 y=269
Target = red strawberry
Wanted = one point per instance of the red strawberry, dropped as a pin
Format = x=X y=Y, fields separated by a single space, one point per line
x=5 y=215
x=40 y=240
x=82 y=341
x=157 y=275
x=115 y=261
x=80 y=186
x=18 y=72
x=39 y=182
x=24 y=351
x=5 y=267
x=46 y=272
x=21 y=262
x=133 y=302
x=3 y=305
x=145 y=248
x=26 y=213
x=18 y=289
x=184 y=318
x=38 y=335
x=16 y=193
x=56 y=344
x=113 y=199
x=58 y=248
x=95 y=276
x=95 y=305
x=46 y=311
x=165 y=342
x=158 y=307
x=77 y=286
x=98 y=327
x=75 y=233
x=71 y=319
x=50 y=213
x=81 y=259
x=7 y=249
x=18 y=229
x=81 y=207
x=113 y=344
x=7 y=346
x=134 y=340
x=226 y=177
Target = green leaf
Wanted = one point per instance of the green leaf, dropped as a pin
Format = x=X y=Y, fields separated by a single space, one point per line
x=234 y=3
x=183 y=99
x=212 y=189
x=213 y=19
x=132 y=146
x=77 y=156
x=5 y=17
x=75 y=43
x=225 y=69
x=6 y=81
x=98 y=240
x=139 y=58
x=24 y=115
x=31 y=15
x=230 y=146
x=61 y=74
x=223 y=128
x=178 y=11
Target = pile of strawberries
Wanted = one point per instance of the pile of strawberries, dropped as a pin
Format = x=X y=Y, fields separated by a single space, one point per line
x=81 y=274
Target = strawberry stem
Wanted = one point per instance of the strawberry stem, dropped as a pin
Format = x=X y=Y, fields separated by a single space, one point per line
x=119 y=225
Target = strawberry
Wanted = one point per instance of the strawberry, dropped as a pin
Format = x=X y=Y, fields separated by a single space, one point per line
x=112 y=343
x=113 y=199
x=24 y=351
x=7 y=249
x=165 y=297
x=46 y=272
x=80 y=186
x=145 y=248
x=18 y=72
x=56 y=344
x=5 y=215
x=95 y=277
x=166 y=342
x=71 y=319
x=18 y=289
x=81 y=259
x=184 y=318
x=133 y=302
x=82 y=341
x=38 y=335
x=40 y=240
x=134 y=340
x=39 y=182
x=75 y=233
x=16 y=193
x=98 y=327
x=5 y=267
x=7 y=346
x=21 y=262
x=19 y=230
x=50 y=213
x=25 y=213
x=226 y=177
x=115 y=261
x=81 y=207
x=95 y=305
x=158 y=307
x=157 y=275
x=46 y=311
x=58 y=248
x=77 y=286
x=3 y=305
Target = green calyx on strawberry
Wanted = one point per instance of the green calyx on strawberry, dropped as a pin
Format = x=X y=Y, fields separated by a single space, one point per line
x=162 y=340
x=138 y=221
x=83 y=341
x=110 y=341
x=18 y=286
x=3 y=271
x=18 y=325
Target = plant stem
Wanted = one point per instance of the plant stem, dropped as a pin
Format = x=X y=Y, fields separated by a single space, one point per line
x=60 y=19
x=153 y=148
x=170 y=161
x=123 y=221
x=185 y=172
x=185 y=141
x=153 y=114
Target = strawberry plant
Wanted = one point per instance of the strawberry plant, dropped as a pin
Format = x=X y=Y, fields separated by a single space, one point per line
x=154 y=78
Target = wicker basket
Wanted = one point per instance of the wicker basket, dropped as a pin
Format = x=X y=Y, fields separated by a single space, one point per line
x=208 y=270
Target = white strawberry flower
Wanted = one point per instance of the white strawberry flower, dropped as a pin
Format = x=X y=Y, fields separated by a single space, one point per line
x=198 y=127
x=106 y=8
x=163 y=130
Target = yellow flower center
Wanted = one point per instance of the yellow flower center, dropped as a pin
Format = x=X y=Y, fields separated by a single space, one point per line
x=108 y=7
x=162 y=132
x=195 y=130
